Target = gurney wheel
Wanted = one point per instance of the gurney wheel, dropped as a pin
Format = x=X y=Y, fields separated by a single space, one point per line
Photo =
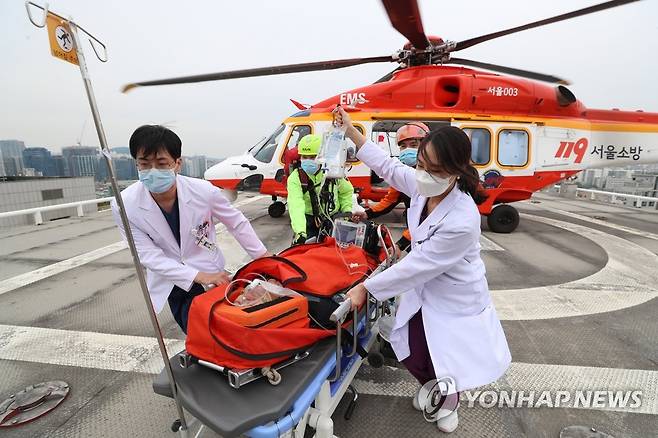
x=349 y=411
x=350 y=408
x=175 y=426
x=375 y=359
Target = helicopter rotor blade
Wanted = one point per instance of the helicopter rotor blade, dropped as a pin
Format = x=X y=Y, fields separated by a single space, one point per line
x=509 y=70
x=589 y=10
x=405 y=18
x=263 y=71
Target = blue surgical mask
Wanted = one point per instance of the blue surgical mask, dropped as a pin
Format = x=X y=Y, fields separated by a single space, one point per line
x=157 y=180
x=409 y=156
x=310 y=166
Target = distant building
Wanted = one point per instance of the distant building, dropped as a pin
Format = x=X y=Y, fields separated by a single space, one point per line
x=81 y=160
x=59 y=165
x=194 y=166
x=11 y=156
x=29 y=171
x=614 y=183
x=120 y=150
x=20 y=193
x=638 y=184
x=40 y=160
x=124 y=166
x=13 y=166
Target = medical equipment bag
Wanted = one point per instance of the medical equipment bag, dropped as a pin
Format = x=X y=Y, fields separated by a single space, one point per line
x=236 y=340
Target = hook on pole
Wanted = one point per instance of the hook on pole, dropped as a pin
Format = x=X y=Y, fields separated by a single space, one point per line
x=93 y=39
x=42 y=22
x=104 y=57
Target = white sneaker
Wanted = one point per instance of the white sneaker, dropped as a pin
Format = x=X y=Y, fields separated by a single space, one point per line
x=415 y=402
x=449 y=423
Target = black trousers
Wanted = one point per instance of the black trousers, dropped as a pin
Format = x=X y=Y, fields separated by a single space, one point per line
x=180 y=301
x=419 y=362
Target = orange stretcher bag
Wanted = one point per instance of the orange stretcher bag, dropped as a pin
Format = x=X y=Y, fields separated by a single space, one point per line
x=237 y=338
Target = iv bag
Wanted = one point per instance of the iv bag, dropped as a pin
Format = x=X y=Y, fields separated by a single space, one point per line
x=333 y=153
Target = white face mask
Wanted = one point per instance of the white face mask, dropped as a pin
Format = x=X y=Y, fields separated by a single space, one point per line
x=429 y=185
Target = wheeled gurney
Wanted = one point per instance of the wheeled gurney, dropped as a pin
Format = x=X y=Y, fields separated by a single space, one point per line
x=308 y=394
x=262 y=410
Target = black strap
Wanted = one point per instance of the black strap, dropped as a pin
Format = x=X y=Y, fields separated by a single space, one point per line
x=327 y=196
x=348 y=339
x=309 y=186
x=302 y=274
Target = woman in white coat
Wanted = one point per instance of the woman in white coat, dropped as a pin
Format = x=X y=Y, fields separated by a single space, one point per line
x=446 y=324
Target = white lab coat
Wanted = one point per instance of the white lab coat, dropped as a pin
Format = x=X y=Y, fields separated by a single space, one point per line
x=444 y=278
x=200 y=206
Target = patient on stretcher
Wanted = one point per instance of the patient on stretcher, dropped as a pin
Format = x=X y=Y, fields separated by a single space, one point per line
x=260 y=292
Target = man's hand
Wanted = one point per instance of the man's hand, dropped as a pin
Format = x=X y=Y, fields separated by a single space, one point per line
x=300 y=239
x=215 y=278
x=359 y=216
x=265 y=254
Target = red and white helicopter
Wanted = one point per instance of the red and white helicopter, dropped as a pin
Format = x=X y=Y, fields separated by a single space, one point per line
x=528 y=130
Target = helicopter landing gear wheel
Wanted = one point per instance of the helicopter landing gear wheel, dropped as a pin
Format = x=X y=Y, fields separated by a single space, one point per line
x=503 y=219
x=276 y=209
x=175 y=426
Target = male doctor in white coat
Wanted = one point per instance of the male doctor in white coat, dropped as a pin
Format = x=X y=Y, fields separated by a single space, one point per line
x=173 y=218
x=446 y=324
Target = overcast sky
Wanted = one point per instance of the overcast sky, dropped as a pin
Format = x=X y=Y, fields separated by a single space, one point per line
x=610 y=57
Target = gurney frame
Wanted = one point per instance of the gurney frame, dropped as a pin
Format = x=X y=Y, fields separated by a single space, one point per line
x=315 y=406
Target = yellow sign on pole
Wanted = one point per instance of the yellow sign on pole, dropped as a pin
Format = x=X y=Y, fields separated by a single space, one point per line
x=62 y=45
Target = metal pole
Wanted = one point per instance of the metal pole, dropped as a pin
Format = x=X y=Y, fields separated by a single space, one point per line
x=126 y=225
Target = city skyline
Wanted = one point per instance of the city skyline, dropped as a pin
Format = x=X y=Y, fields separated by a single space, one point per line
x=16 y=159
x=57 y=150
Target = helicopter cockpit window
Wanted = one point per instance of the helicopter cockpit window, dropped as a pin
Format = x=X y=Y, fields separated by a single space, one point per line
x=383 y=133
x=298 y=132
x=265 y=152
x=480 y=145
x=513 y=147
x=349 y=142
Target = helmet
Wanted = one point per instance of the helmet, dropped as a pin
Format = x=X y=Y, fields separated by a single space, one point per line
x=412 y=130
x=310 y=144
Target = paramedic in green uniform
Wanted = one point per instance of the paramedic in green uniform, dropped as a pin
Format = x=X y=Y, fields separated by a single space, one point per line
x=310 y=202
